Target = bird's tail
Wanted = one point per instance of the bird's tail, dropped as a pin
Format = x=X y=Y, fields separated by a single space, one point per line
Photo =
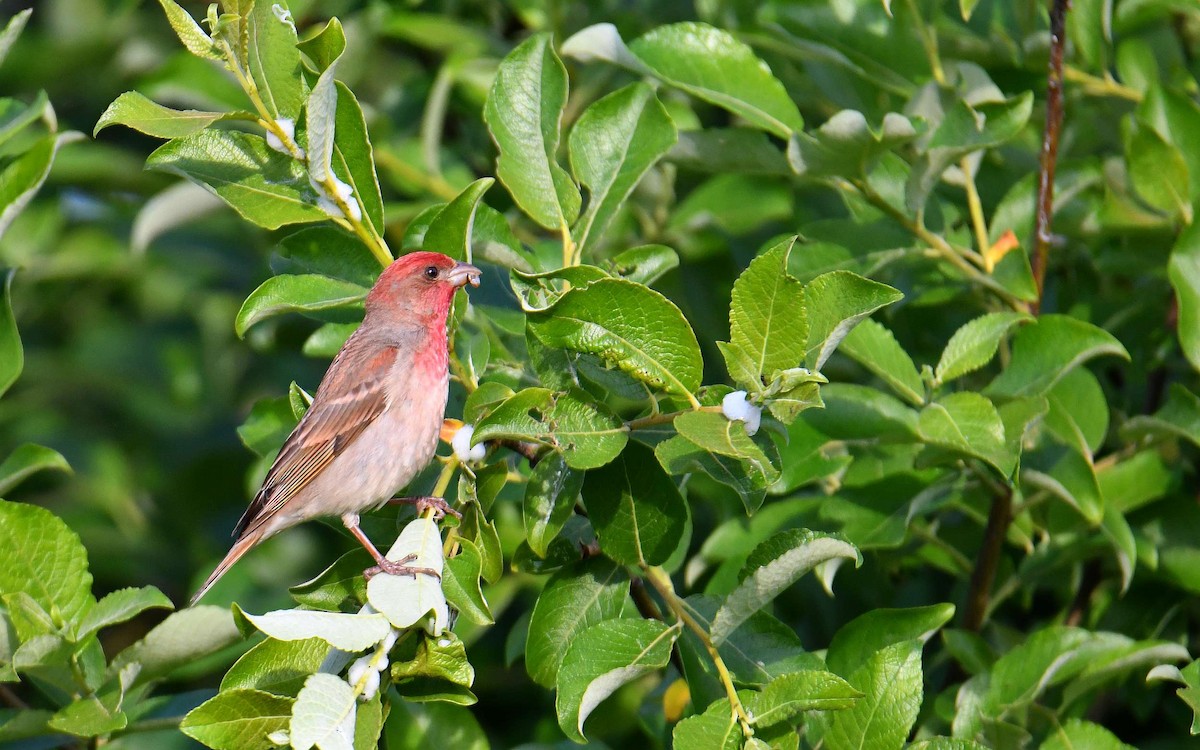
x=240 y=547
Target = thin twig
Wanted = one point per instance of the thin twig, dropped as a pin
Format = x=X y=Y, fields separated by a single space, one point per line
x=661 y=581
x=984 y=574
x=1049 y=155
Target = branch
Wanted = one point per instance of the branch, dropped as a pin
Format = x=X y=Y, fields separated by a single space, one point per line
x=661 y=581
x=984 y=574
x=1049 y=155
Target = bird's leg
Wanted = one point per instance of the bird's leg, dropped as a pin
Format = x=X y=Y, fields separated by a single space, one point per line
x=382 y=564
x=440 y=507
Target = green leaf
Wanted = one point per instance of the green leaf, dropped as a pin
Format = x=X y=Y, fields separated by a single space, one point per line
x=414 y=726
x=749 y=478
x=179 y=640
x=44 y=559
x=875 y=348
x=24 y=724
x=460 y=581
x=723 y=150
x=23 y=176
x=846 y=146
x=790 y=694
x=767 y=320
x=450 y=231
x=91 y=716
x=774 y=566
x=326 y=251
x=324 y=709
x=616 y=140
x=890 y=682
x=836 y=302
x=524 y=112
x=26 y=460
x=1077 y=733
x=1176 y=117
x=274 y=60
x=266 y=187
x=1158 y=171
x=189 y=32
x=443 y=657
x=715 y=729
x=1047 y=349
x=1183 y=269
x=968 y=423
x=628 y=326
x=15 y=115
x=537 y=292
x=325 y=46
x=974 y=344
x=601 y=659
x=645 y=264
x=714 y=433
x=296 y=293
x=573 y=599
x=1078 y=412
x=12 y=355
x=711 y=64
x=354 y=157
x=1179 y=417
x=274 y=666
x=638 y=514
x=238 y=719
x=134 y=110
x=587 y=433
x=120 y=606
x=1072 y=478
x=873 y=631
x=550 y=498
x=856 y=412
x=965 y=129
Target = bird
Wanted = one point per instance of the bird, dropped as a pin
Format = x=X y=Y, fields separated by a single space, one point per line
x=374 y=421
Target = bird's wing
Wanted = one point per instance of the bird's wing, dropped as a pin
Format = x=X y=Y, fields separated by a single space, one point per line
x=338 y=415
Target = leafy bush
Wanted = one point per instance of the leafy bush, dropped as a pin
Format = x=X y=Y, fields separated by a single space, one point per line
x=1001 y=446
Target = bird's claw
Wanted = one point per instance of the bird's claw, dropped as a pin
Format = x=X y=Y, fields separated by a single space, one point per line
x=438 y=505
x=399 y=568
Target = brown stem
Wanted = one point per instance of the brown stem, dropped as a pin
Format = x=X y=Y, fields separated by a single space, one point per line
x=11 y=698
x=984 y=574
x=1049 y=154
x=530 y=451
x=641 y=599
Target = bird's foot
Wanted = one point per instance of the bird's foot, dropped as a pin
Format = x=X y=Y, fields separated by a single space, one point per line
x=439 y=506
x=399 y=568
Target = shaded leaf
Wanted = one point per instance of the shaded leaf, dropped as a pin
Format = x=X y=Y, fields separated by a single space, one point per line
x=638 y=514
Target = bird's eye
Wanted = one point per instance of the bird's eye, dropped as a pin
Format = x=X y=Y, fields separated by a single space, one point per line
x=431 y=273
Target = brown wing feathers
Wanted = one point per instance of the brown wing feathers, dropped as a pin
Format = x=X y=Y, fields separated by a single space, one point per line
x=329 y=427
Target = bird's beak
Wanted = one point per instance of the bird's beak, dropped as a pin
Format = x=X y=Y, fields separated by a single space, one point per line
x=463 y=274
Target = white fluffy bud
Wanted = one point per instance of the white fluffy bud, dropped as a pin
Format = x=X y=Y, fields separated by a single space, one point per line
x=461 y=443
x=735 y=407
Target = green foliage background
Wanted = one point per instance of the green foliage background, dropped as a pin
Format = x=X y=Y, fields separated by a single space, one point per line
x=788 y=169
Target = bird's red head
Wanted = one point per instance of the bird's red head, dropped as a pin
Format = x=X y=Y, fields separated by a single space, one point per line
x=421 y=285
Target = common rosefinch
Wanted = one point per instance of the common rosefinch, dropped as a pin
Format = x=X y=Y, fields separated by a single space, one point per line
x=374 y=421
